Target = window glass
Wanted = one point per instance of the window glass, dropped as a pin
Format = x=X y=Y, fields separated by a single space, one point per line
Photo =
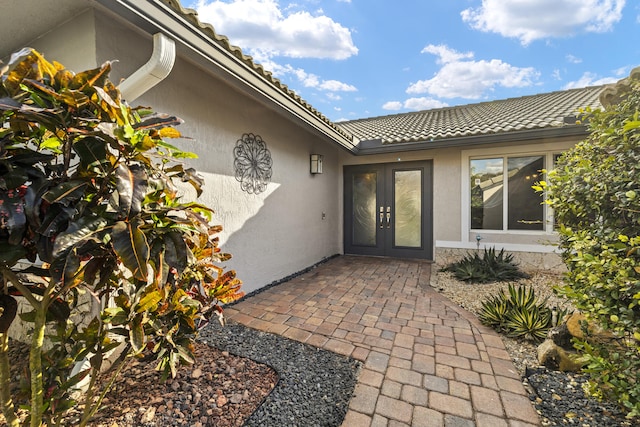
x=487 y=193
x=364 y=209
x=408 y=208
x=525 y=209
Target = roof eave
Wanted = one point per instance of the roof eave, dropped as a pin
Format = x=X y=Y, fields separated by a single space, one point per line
x=154 y=16
x=378 y=147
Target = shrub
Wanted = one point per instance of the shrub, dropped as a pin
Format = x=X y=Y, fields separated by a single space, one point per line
x=89 y=210
x=518 y=313
x=595 y=193
x=491 y=267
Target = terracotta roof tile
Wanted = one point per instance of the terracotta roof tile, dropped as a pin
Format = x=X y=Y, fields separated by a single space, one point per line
x=546 y=110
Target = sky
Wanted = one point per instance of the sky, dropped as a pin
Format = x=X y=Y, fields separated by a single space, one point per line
x=353 y=59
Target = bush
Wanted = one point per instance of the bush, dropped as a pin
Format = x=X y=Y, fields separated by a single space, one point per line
x=595 y=192
x=518 y=313
x=89 y=211
x=491 y=267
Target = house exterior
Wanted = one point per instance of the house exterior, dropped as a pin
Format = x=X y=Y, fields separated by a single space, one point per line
x=429 y=185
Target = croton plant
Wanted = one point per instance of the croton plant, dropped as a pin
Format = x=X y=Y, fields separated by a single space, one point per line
x=91 y=216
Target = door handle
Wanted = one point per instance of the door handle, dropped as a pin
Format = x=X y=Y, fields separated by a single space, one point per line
x=381 y=217
x=388 y=216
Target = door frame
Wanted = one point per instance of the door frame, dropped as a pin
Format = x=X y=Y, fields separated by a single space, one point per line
x=384 y=189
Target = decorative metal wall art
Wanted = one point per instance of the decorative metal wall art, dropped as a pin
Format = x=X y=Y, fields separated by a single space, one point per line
x=252 y=163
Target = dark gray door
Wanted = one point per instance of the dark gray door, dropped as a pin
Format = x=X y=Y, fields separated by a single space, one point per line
x=388 y=210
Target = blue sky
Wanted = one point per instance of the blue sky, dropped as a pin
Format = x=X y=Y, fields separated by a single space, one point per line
x=354 y=59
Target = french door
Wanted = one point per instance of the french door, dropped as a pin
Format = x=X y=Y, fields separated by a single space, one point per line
x=388 y=210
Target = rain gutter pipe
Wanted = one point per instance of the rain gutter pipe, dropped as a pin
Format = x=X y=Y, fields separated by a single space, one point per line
x=153 y=72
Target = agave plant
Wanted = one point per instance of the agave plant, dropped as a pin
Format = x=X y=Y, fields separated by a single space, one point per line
x=494 y=311
x=530 y=323
x=491 y=267
x=518 y=313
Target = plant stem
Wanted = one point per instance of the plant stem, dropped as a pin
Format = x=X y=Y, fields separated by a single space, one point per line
x=15 y=281
x=8 y=409
x=91 y=408
x=35 y=365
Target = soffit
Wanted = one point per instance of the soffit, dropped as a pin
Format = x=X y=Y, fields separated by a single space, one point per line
x=24 y=20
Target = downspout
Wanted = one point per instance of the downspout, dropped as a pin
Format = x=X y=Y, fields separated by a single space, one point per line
x=153 y=72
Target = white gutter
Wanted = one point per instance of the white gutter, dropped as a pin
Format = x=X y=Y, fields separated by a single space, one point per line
x=153 y=72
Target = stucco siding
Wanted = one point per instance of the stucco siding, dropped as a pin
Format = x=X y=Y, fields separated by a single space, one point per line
x=272 y=234
x=72 y=43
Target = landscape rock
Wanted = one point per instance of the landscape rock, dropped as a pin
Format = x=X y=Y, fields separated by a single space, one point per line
x=557 y=358
x=561 y=336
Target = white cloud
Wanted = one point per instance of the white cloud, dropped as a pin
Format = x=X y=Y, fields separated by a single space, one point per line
x=460 y=78
x=307 y=79
x=392 y=105
x=415 y=104
x=445 y=54
x=423 y=104
x=333 y=97
x=589 y=79
x=261 y=28
x=336 y=86
x=573 y=59
x=529 y=20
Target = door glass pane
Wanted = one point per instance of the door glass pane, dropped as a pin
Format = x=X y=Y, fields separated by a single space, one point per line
x=486 y=193
x=525 y=206
x=364 y=209
x=408 y=208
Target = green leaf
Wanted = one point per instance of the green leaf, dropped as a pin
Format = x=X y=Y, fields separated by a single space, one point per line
x=176 y=251
x=136 y=336
x=185 y=354
x=131 y=247
x=81 y=230
x=149 y=302
x=132 y=188
x=114 y=315
x=93 y=153
x=631 y=125
x=66 y=193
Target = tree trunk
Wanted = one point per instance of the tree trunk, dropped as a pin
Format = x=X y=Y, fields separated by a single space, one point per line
x=35 y=366
x=8 y=409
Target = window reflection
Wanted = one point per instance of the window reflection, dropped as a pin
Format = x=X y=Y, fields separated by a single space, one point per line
x=486 y=193
x=525 y=205
x=524 y=208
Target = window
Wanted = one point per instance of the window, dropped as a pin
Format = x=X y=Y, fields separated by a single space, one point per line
x=501 y=193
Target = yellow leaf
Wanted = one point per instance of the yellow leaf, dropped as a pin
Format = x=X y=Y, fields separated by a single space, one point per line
x=169 y=132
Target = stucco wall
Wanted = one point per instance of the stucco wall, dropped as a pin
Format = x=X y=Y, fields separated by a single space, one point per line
x=272 y=234
x=71 y=43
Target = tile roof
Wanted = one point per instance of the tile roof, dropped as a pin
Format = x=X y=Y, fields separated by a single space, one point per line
x=547 y=110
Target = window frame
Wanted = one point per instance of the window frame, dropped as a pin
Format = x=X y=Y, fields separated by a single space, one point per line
x=548 y=154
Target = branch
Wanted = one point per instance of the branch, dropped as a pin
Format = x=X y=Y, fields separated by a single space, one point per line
x=15 y=280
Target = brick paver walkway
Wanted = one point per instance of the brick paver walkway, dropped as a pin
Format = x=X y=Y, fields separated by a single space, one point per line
x=427 y=362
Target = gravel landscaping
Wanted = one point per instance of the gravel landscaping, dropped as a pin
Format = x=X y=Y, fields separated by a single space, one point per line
x=315 y=385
